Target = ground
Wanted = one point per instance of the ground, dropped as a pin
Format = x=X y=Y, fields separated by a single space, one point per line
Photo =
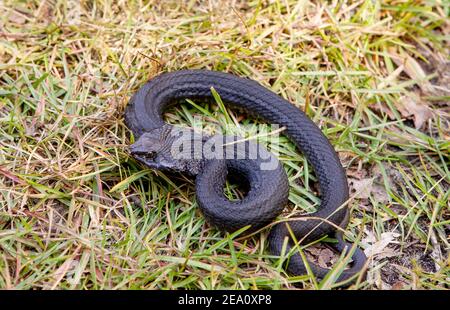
x=76 y=211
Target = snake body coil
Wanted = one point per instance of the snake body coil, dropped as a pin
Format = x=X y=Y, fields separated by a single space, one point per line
x=268 y=191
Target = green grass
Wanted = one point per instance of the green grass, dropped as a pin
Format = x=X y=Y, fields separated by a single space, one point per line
x=76 y=211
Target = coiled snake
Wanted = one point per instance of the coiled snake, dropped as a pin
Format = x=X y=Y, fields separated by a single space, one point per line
x=268 y=188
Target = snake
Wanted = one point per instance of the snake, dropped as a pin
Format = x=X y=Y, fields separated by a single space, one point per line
x=268 y=188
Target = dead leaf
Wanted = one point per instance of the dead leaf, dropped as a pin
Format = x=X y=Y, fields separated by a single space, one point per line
x=321 y=255
x=362 y=187
x=326 y=258
x=382 y=107
x=379 y=248
x=313 y=250
x=411 y=106
x=380 y=194
x=412 y=68
x=399 y=285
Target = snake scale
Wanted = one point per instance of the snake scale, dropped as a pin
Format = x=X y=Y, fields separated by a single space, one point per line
x=268 y=188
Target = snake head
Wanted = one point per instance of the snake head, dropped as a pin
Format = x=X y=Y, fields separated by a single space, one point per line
x=158 y=149
x=153 y=149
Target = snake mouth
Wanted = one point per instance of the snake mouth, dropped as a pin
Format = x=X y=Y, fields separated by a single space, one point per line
x=144 y=156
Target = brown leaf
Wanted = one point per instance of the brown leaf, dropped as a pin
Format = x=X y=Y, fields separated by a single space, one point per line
x=380 y=247
x=412 y=68
x=382 y=107
x=326 y=258
x=399 y=285
x=411 y=106
x=362 y=187
x=380 y=194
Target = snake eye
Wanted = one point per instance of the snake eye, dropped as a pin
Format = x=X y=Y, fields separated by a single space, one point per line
x=141 y=153
x=148 y=155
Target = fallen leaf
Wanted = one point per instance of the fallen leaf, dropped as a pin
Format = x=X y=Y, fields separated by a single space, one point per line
x=411 y=106
x=399 y=285
x=321 y=255
x=326 y=258
x=412 y=68
x=380 y=194
x=379 y=248
x=382 y=107
x=362 y=187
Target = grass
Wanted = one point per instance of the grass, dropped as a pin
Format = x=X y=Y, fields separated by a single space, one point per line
x=76 y=212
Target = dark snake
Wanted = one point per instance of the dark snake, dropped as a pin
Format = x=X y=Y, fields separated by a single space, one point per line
x=268 y=189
